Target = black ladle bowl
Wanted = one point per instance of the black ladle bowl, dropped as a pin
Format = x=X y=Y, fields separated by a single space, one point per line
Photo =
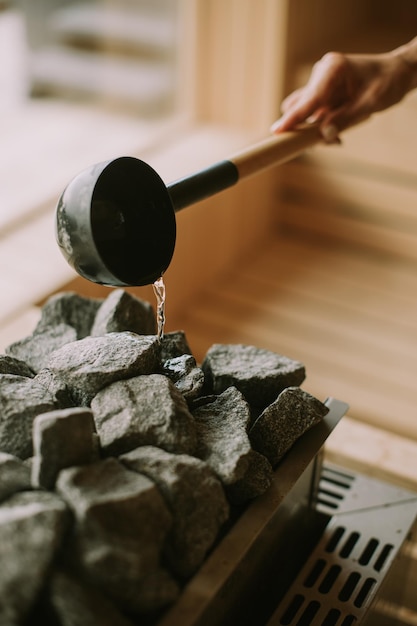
x=115 y=221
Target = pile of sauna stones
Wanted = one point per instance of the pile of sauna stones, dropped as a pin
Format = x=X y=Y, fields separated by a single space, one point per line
x=122 y=460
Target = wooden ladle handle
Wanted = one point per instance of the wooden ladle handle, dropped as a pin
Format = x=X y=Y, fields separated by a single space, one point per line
x=274 y=150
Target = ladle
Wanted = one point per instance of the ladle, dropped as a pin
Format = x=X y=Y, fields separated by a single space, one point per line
x=115 y=221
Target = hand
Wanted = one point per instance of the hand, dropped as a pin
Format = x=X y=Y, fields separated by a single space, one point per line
x=345 y=89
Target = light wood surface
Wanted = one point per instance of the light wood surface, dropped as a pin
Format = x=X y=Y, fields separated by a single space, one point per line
x=275 y=150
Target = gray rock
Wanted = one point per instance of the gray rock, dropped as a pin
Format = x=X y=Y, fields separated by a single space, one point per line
x=122 y=311
x=61 y=438
x=71 y=309
x=56 y=386
x=14 y=475
x=174 y=344
x=121 y=526
x=11 y=365
x=36 y=349
x=187 y=377
x=75 y=603
x=88 y=365
x=145 y=410
x=222 y=439
x=259 y=374
x=284 y=421
x=156 y=592
x=22 y=399
x=256 y=480
x=198 y=513
x=32 y=527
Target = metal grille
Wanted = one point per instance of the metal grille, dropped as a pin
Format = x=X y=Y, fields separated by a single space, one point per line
x=369 y=524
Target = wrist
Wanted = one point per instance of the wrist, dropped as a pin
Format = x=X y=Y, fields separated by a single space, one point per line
x=407 y=54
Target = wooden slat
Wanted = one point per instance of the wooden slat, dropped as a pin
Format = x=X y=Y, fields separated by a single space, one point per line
x=374 y=452
x=371 y=194
x=378 y=237
x=371 y=207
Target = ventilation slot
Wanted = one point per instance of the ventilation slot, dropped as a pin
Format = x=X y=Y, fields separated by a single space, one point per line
x=333 y=487
x=369 y=552
x=349 y=587
x=383 y=557
x=348 y=547
x=315 y=573
x=291 y=612
x=364 y=592
x=309 y=614
x=332 y=618
x=330 y=579
x=337 y=477
x=334 y=539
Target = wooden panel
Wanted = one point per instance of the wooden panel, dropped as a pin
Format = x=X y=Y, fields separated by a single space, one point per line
x=365 y=204
x=232 y=59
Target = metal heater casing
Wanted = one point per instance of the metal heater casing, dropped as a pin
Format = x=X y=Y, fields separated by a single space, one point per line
x=357 y=571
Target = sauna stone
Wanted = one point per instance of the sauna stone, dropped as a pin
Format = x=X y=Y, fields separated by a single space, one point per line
x=69 y=308
x=32 y=527
x=187 y=377
x=89 y=364
x=36 y=349
x=195 y=497
x=14 y=475
x=223 y=442
x=11 y=365
x=259 y=374
x=122 y=311
x=22 y=399
x=56 y=387
x=74 y=603
x=284 y=421
x=145 y=410
x=255 y=481
x=174 y=344
x=121 y=524
x=61 y=438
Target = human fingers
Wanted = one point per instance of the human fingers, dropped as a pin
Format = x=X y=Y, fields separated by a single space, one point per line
x=291 y=100
x=325 y=89
x=299 y=107
x=346 y=116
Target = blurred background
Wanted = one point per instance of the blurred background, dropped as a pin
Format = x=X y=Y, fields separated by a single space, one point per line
x=315 y=259
x=120 y=54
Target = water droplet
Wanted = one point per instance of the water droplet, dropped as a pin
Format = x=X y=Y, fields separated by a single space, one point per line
x=159 y=291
